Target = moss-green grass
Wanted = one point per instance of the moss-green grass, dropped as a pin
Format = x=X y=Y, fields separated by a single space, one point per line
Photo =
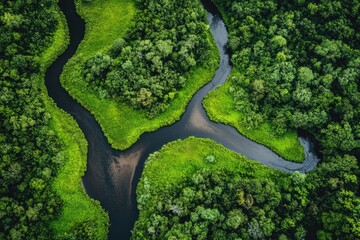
x=78 y=206
x=180 y=159
x=219 y=106
x=122 y=124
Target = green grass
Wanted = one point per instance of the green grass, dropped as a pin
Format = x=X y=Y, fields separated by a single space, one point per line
x=78 y=206
x=219 y=106
x=122 y=124
x=106 y=21
x=180 y=159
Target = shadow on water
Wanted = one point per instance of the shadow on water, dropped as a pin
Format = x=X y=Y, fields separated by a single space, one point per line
x=112 y=175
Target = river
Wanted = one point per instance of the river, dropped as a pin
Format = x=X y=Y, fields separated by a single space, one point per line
x=112 y=175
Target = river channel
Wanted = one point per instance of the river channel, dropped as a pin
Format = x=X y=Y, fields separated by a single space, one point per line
x=112 y=175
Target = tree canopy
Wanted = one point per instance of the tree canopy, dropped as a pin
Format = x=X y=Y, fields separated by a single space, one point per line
x=297 y=66
x=29 y=149
x=147 y=68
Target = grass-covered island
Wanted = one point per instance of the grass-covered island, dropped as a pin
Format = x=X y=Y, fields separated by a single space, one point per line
x=136 y=76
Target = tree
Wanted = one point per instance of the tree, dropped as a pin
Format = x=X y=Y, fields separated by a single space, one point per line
x=144 y=97
x=339 y=136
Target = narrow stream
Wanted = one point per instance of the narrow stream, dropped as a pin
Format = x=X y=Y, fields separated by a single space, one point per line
x=112 y=175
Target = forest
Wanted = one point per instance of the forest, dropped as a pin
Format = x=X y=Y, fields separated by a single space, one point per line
x=29 y=160
x=221 y=196
x=147 y=67
x=33 y=153
x=296 y=66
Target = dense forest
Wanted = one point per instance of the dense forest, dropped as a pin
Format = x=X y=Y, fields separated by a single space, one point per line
x=29 y=148
x=32 y=153
x=147 y=67
x=296 y=65
x=223 y=195
x=226 y=205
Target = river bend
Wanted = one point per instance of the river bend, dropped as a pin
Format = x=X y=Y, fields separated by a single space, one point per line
x=112 y=175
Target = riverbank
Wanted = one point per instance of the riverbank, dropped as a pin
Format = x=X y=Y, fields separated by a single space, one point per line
x=219 y=106
x=122 y=124
x=78 y=208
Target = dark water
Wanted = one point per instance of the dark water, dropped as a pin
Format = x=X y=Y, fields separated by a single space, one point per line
x=112 y=175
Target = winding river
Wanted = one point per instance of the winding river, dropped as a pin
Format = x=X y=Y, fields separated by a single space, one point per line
x=112 y=175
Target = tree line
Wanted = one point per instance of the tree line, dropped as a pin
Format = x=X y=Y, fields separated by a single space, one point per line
x=298 y=67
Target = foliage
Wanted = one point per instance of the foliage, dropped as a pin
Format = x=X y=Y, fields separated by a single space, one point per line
x=230 y=198
x=220 y=107
x=50 y=186
x=335 y=199
x=121 y=123
x=146 y=68
x=78 y=209
x=297 y=65
x=29 y=152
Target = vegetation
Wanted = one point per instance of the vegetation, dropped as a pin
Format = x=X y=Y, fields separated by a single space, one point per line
x=147 y=67
x=127 y=123
x=220 y=107
x=81 y=217
x=296 y=66
x=29 y=152
x=198 y=189
x=38 y=139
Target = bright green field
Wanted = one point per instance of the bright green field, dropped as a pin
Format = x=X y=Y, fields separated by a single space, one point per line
x=219 y=106
x=180 y=159
x=78 y=207
x=106 y=21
